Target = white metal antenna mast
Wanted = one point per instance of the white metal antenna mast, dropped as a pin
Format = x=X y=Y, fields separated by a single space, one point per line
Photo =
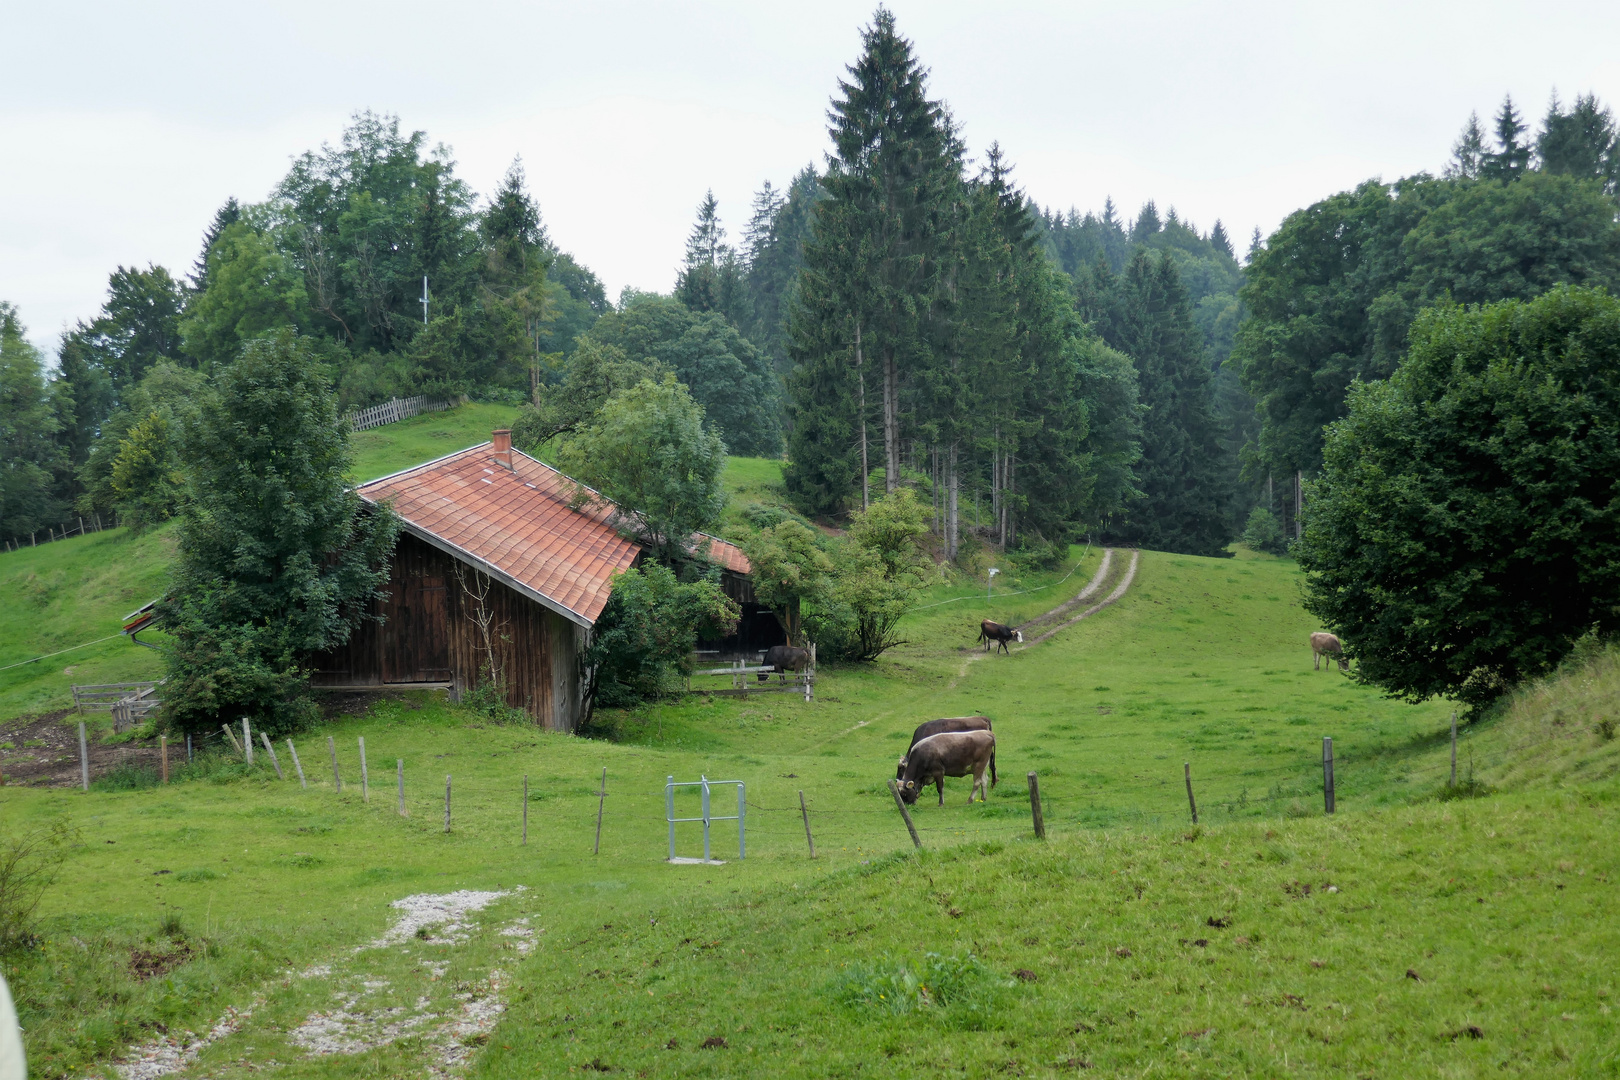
x=424 y=299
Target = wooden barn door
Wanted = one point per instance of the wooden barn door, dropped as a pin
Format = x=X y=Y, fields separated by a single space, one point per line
x=416 y=639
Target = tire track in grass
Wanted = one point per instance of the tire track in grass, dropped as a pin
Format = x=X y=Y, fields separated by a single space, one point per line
x=1112 y=598
x=1083 y=595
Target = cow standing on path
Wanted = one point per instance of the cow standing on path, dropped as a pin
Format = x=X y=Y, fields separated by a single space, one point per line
x=1325 y=644
x=931 y=728
x=994 y=631
x=951 y=753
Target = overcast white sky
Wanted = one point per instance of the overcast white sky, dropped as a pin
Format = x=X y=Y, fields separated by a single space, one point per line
x=125 y=125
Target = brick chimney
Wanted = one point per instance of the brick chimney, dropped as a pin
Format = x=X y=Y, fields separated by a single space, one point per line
x=502 y=440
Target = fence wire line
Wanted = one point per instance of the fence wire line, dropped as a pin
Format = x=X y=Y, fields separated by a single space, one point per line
x=1021 y=592
x=1075 y=808
x=59 y=652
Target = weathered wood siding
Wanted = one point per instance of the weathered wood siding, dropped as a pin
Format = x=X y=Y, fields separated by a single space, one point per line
x=430 y=633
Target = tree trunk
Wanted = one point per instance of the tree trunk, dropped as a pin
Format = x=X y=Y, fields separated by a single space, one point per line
x=933 y=463
x=891 y=423
x=1010 y=533
x=995 y=482
x=952 y=522
x=1299 y=500
x=866 y=469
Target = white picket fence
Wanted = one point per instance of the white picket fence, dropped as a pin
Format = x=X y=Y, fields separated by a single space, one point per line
x=395 y=410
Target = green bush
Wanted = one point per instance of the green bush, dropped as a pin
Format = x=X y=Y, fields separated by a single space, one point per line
x=1263 y=532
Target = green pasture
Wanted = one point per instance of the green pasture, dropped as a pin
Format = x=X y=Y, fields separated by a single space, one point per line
x=64 y=594
x=70 y=592
x=1203 y=661
x=1502 y=906
x=382 y=450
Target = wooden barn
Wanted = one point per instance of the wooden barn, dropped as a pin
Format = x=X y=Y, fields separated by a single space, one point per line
x=495 y=570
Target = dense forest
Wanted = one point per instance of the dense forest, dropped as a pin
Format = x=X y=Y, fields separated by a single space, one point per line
x=902 y=316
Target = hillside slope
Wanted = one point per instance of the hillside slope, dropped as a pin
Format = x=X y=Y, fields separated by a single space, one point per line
x=1463 y=940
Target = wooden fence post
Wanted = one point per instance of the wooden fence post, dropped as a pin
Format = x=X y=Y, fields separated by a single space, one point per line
x=900 y=804
x=188 y=749
x=163 y=748
x=1035 y=807
x=231 y=735
x=807 y=837
x=273 y=759
x=337 y=781
x=297 y=765
x=446 y=802
x=247 y=741
x=1186 y=769
x=399 y=765
x=525 y=809
x=365 y=780
x=1453 y=748
x=1327 y=773
x=84 y=758
x=601 y=798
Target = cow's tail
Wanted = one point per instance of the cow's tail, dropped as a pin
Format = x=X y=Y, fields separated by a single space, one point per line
x=992 y=767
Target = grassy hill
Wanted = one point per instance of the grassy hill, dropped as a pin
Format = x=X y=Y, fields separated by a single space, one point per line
x=1268 y=940
x=781 y=956
x=74 y=591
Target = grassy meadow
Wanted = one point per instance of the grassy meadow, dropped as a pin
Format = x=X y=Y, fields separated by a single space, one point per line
x=1270 y=940
x=382 y=450
x=73 y=591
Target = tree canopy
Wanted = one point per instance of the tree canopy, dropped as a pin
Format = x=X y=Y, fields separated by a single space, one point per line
x=277 y=559
x=1466 y=527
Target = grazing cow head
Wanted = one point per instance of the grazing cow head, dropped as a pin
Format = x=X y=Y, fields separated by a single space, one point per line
x=1344 y=663
x=1020 y=635
x=908 y=792
x=900 y=770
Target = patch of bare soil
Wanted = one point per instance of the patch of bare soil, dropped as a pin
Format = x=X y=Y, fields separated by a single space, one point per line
x=42 y=750
x=145 y=964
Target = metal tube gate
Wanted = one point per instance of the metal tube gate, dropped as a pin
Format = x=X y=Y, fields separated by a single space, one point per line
x=740 y=817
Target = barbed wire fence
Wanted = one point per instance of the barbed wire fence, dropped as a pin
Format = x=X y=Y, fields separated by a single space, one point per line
x=781 y=821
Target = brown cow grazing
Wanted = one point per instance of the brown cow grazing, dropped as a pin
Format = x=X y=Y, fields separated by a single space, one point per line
x=784 y=658
x=949 y=723
x=1323 y=644
x=994 y=631
x=950 y=753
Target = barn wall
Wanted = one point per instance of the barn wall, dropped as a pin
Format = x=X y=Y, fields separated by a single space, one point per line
x=434 y=631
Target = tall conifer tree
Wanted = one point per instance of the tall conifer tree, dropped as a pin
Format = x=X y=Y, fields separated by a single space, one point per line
x=880 y=240
x=1181 y=473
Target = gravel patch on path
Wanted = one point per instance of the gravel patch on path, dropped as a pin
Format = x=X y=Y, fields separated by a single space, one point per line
x=445 y=910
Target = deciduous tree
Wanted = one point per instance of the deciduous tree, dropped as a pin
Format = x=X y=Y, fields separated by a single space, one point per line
x=1466 y=528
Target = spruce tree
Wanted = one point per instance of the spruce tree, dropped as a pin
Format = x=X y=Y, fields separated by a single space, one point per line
x=698 y=286
x=1147 y=223
x=1220 y=241
x=1181 y=475
x=1581 y=142
x=1468 y=153
x=1512 y=155
x=224 y=218
x=875 y=259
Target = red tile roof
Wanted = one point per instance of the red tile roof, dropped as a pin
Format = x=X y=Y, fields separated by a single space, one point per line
x=518 y=525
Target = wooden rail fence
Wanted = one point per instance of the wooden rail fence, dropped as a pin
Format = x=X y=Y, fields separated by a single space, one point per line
x=128 y=702
x=397 y=409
